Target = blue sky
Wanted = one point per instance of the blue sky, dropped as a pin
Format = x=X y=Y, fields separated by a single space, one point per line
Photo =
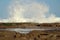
x=54 y=7
x=3 y=8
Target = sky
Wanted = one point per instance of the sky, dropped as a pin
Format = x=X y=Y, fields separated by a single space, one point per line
x=40 y=11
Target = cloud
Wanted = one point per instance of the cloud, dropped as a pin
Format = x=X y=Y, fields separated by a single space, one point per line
x=29 y=11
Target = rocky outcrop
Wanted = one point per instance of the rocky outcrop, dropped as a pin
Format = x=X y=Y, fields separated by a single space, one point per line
x=17 y=25
x=28 y=25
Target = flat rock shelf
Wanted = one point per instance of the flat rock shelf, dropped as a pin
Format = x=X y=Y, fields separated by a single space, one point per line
x=32 y=35
x=29 y=31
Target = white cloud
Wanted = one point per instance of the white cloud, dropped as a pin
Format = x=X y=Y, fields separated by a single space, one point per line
x=29 y=11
